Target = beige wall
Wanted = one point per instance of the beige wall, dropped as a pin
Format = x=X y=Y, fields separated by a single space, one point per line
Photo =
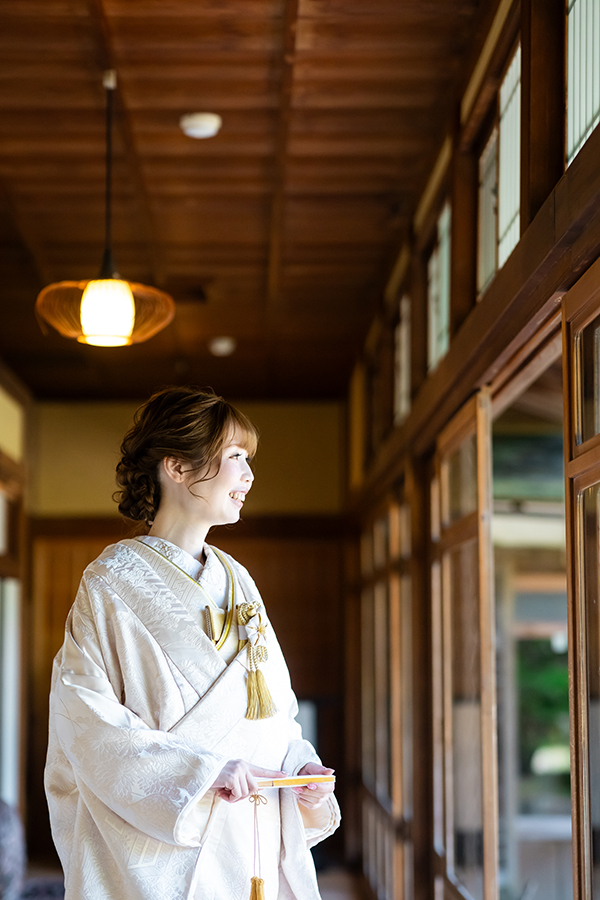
x=12 y=426
x=75 y=450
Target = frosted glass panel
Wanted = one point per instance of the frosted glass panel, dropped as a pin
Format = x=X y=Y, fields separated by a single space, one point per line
x=462 y=481
x=587 y=355
x=509 y=160
x=438 y=292
x=589 y=528
x=402 y=363
x=487 y=213
x=10 y=668
x=467 y=793
x=583 y=73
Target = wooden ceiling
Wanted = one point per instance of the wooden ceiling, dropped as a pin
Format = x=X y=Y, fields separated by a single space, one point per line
x=279 y=232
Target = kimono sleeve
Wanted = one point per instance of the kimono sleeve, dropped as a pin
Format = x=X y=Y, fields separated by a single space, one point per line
x=152 y=779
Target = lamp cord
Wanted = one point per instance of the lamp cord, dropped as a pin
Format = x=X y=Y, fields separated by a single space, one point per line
x=108 y=193
x=107 y=270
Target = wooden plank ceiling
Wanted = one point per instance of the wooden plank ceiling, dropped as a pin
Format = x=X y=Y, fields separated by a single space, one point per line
x=279 y=232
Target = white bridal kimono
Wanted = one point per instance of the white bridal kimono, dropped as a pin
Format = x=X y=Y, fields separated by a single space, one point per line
x=144 y=713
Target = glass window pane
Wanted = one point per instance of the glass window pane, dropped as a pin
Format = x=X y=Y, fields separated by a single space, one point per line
x=380 y=542
x=368 y=688
x=533 y=722
x=587 y=360
x=407 y=685
x=382 y=691
x=4 y=523
x=467 y=794
x=509 y=160
x=402 y=363
x=583 y=73
x=487 y=213
x=589 y=526
x=366 y=554
x=438 y=292
x=10 y=669
x=461 y=488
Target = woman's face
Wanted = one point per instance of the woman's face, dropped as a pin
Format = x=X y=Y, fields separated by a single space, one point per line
x=221 y=498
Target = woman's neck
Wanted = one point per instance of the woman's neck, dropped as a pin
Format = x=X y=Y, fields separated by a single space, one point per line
x=190 y=536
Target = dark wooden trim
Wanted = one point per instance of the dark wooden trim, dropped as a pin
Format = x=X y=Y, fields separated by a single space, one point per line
x=418 y=480
x=559 y=244
x=418 y=324
x=543 y=102
x=11 y=383
x=490 y=85
x=113 y=527
x=12 y=475
x=464 y=235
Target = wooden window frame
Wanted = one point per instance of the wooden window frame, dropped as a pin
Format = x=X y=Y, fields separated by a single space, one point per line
x=386 y=567
x=491 y=123
x=474 y=418
x=580 y=306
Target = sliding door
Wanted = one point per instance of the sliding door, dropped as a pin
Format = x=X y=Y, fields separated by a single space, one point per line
x=387 y=734
x=581 y=324
x=463 y=659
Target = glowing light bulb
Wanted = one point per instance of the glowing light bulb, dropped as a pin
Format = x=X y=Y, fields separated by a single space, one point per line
x=200 y=125
x=107 y=313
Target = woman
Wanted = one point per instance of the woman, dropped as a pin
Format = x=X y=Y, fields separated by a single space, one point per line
x=170 y=697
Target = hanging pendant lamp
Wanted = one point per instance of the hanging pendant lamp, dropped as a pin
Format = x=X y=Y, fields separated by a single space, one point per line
x=107 y=311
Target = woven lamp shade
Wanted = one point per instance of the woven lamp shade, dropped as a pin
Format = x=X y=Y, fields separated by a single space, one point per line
x=60 y=305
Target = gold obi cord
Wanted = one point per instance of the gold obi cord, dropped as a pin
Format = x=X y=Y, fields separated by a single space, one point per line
x=257 y=884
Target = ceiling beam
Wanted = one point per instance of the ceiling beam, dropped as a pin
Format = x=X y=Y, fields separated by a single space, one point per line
x=290 y=28
x=101 y=33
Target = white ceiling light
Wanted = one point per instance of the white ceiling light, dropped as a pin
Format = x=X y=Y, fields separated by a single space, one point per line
x=200 y=125
x=222 y=346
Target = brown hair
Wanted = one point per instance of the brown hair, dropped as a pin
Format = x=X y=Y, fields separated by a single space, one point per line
x=186 y=423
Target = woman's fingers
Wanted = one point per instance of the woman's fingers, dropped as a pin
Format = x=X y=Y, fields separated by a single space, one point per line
x=314 y=795
x=265 y=773
x=238 y=779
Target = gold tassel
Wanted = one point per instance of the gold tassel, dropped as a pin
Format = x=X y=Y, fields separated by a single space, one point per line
x=265 y=701
x=260 y=702
x=257 y=888
x=253 y=711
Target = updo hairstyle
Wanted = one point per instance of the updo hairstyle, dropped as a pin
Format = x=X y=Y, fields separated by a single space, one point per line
x=185 y=423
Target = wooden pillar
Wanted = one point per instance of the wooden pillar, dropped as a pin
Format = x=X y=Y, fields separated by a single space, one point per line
x=543 y=102
x=417 y=492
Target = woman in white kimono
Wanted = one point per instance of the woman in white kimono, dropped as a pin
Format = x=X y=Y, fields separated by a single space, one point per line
x=170 y=696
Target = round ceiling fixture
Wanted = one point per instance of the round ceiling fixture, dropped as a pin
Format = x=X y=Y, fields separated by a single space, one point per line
x=222 y=346
x=201 y=124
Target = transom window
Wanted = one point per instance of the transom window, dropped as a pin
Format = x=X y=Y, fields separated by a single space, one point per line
x=438 y=292
x=500 y=180
x=583 y=73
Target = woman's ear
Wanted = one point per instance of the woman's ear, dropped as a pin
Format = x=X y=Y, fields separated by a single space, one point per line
x=174 y=469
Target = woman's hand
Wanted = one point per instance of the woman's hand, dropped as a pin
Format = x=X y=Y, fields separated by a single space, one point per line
x=237 y=780
x=314 y=795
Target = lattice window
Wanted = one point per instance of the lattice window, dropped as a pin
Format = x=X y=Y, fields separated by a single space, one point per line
x=438 y=292
x=583 y=73
x=487 y=250
x=402 y=363
x=509 y=160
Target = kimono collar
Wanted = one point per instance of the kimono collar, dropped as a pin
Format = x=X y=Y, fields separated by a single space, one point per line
x=211 y=575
